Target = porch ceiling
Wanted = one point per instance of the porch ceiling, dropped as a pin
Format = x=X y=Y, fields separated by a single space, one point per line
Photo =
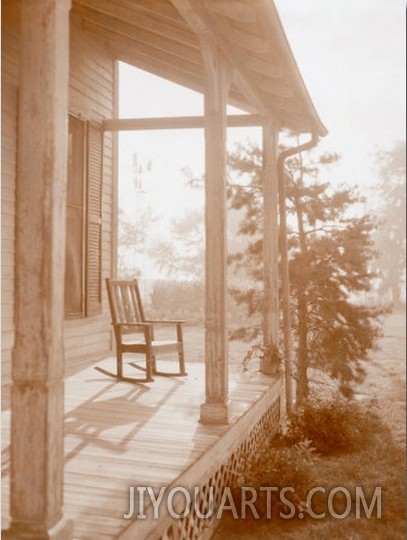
x=164 y=37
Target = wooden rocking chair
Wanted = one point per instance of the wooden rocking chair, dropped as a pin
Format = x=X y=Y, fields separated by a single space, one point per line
x=135 y=334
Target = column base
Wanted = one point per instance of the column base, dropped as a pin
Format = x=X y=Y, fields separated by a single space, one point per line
x=214 y=413
x=63 y=530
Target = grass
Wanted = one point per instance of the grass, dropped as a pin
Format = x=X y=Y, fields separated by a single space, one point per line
x=380 y=462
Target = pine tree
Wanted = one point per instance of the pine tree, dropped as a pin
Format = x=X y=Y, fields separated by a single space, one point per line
x=330 y=255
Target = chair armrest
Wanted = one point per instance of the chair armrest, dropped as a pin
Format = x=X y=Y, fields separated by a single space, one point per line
x=126 y=328
x=122 y=329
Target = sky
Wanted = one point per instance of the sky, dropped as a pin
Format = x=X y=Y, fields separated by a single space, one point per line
x=351 y=55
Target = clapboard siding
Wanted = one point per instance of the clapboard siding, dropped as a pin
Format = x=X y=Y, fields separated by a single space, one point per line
x=91 y=96
x=91 y=89
x=8 y=170
x=9 y=95
x=10 y=34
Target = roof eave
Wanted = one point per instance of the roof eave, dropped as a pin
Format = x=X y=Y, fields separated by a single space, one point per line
x=273 y=21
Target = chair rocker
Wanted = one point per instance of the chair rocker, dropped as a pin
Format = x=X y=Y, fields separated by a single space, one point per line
x=135 y=334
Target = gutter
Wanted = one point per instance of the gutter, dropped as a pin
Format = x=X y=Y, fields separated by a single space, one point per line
x=284 y=263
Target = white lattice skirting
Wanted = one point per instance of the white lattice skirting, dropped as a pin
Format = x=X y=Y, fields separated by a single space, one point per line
x=215 y=470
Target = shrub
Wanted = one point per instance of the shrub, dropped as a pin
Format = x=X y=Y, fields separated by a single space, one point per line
x=279 y=465
x=283 y=466
x=335 y=425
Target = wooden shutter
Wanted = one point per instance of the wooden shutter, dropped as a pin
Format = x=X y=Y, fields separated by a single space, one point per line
x=93 y=293
x=75 y=227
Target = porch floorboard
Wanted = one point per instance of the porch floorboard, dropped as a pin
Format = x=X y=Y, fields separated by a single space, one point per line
x=119 y=435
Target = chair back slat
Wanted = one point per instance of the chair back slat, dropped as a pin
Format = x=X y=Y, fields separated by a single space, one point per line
x=136 y=302
x=119 y=311
x=125 y=301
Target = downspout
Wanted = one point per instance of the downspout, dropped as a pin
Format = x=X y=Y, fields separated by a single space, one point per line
x=284 y=263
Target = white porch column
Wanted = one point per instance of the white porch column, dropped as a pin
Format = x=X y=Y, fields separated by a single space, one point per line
x=270 y=240
x=37 y=408
x=215 y=408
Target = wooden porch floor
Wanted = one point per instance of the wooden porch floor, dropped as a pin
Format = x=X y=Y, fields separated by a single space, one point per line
x=120 y=435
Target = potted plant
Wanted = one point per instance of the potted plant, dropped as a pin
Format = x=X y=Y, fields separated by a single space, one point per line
x=268 y=355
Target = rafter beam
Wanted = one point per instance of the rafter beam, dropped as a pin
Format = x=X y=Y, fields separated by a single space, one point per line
x=154 y=58
x=119 y=12
x=237 y=10
x=264 y=67
x=138 y=34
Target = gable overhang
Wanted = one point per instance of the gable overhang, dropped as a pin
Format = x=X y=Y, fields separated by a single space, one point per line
x=166 y=37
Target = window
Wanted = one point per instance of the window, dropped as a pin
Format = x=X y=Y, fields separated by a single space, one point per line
x=83 y=220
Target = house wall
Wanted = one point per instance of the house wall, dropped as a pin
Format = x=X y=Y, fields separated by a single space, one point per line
x=91 y=96
x=9 y=100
